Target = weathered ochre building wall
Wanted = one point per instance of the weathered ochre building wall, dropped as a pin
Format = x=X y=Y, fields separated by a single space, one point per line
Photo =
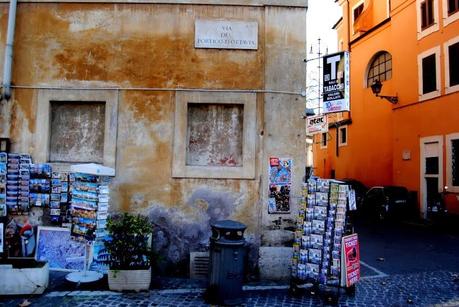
x=143 y=53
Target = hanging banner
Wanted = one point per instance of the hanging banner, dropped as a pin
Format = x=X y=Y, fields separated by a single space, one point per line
x=316 y=124
x=336 y=82
x=351 y=254
x=280 y=180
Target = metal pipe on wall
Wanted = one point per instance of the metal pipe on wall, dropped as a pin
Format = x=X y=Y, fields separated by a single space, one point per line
x=8 y=63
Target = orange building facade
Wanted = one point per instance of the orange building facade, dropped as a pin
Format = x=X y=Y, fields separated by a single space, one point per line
x=412 y=47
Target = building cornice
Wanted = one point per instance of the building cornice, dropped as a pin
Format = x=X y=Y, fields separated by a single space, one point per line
x=281 y=3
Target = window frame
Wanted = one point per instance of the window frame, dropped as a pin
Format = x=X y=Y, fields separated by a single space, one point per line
x=42 y=140
x=370 y=64
x=427 y=14
x=356 y=6
x=448 y=88
x=179 y=167
x=340 y=141
x=449 y=162
x=432 y=28
x=421 y=56
x=449 y=18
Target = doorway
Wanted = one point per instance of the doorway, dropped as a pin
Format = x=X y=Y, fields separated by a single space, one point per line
x=431 y=170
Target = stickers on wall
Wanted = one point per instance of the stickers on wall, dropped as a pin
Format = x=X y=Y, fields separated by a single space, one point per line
x=280 y=181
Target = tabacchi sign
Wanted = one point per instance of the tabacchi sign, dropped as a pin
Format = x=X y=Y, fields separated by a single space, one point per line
x=316 y=124
x=336 y=82
x=226 y=34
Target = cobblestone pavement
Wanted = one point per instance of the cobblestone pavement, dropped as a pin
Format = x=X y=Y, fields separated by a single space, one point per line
x=438 y=288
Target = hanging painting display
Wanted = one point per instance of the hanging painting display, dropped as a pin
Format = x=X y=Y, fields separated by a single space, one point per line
x=56 y=247
x=280 y=180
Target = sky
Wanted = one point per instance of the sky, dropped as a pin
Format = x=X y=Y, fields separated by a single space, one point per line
x=321 y=16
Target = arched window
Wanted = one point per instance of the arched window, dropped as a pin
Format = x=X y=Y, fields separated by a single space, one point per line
x=380 y=68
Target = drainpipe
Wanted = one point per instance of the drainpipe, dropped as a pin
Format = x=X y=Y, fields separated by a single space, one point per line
x=6 y=92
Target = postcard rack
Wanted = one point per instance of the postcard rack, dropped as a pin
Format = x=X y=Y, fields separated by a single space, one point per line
x=323 y=220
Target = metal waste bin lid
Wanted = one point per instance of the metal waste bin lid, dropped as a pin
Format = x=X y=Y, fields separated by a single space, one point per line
x=229 y=225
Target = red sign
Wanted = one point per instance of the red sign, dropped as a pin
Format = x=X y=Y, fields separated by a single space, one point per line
x=352 y=259
x=273 y=161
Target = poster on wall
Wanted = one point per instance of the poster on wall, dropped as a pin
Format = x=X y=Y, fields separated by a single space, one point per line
x=280 y=180
x=336 y=82
x=56 y=247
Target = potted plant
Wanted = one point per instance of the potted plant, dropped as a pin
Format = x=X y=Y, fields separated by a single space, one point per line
x=130 y=253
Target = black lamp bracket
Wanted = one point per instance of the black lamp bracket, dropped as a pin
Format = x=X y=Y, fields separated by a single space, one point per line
x=391 y=99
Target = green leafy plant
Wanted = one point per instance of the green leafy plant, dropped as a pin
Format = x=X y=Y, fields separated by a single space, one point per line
x=129 y=242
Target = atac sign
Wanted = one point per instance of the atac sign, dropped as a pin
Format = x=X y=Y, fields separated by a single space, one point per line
x=316 y=124
x=336 y=82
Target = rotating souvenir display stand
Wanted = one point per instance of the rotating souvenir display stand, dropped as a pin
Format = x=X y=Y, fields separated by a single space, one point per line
x=89 y=209
x=318 y=262
x=84 y=276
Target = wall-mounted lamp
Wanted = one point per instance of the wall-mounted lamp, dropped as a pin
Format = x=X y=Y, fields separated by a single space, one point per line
x=308 y=112
x=376 y=89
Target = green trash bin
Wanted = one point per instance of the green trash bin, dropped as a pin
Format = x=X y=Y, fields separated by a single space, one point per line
x=227 y=261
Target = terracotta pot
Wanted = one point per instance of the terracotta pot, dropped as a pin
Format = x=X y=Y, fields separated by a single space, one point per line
x=132 y=280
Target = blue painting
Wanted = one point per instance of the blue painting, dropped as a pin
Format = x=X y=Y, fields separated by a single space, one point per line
x=61 y=252
x=100 y=259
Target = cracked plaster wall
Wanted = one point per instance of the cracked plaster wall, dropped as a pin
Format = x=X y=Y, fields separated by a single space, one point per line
x=135 y=45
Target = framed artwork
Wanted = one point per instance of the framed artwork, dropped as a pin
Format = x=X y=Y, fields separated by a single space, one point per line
x=62 y=253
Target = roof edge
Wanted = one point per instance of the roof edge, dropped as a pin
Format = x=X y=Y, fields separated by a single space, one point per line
x=280 y=3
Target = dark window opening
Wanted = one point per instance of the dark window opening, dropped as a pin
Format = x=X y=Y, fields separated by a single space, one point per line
x=453 y=52
x=427 y=15
x=343 y=135
x=455 y=162
x=432 y=189
x=358 y=11
x=453 y=6
x=380 y=69
x=432 y=166
x=429 y=74
x=324 y=139
x=332 y=174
